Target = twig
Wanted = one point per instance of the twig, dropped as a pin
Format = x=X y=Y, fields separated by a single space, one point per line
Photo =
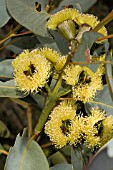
x=29 y=120
x=4 y=152
x=46 y=145
x=105 y=37
x=106 y=20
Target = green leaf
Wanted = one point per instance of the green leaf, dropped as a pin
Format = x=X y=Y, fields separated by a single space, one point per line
x=110 y=148
x=26 y=155
x=43 y=5
x=4 y=132
x=56 y=42
x=77 y=158
x=26 y=42
x=6 y=70
x=66 y=150
x=88 y=40
x=8 y=89
x=25 y=13
x=58 y=158
x=62 y=167
x=108 y=73
x=19 y=43
x=85 y=5
x=103 y=159
x=4 y=16
x=103 y=100
x=39 y=99
x=14 y=49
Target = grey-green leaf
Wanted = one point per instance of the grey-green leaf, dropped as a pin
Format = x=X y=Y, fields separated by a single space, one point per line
x=77 y=158
x=58 y=158
x=26 y=155
x=8 y=89
x=56 y=42
x=39 y=99
x=4 y=16
x=62 y=167
x=109 y=76
x=25 y=13
x=43 y=5
x=6 y=70
x=4 y=132
x=88 y=40
x=66 y=150
x=103 y=160
x=103 y=100
x=26 y=42
x=110 y=148
x=85 y=5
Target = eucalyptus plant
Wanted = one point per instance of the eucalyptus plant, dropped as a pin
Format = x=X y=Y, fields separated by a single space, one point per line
x=62 y=65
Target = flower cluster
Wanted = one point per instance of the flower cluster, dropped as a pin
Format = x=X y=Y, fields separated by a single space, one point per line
x=68 y=17
x=29 y=75
x=65 y=126
x=61 y=122
x=71 y=74
x=32 y=69
x=85 y=83
x=64 y=15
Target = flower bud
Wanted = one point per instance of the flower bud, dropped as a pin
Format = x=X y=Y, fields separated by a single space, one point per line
x=67 y=29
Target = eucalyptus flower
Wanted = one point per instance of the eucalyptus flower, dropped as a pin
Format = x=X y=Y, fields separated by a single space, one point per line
x=75 y=130
x=92 y=21
x=53 y=56
x=98 y=128
x=88 y=84
x=31 y=71
x=87 y=22
x=57 y=127
x=106 y=130
x=71 y=74
x=50 y=54
x=61 y=63
x=98 y=58
x=61 y=16
x=90 y=128
x=65 y=21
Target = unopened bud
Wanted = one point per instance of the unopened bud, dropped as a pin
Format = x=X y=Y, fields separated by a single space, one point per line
x=67 y=29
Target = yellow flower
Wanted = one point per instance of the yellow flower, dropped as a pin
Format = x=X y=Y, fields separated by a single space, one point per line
x=107 y=130
x=67 y=17
x=31 y=71
x=61 y=63
x=88 y=19
x=91 y=21
x=58 y=125
x=100 y=71
x=71 y=74
x=75 y=130
x=98 y=58
x=90 y=129
x=53 y=56
x=89 y=84
x=48 y=53
x=63 y=15
x=59 y=66
x=91 y=140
